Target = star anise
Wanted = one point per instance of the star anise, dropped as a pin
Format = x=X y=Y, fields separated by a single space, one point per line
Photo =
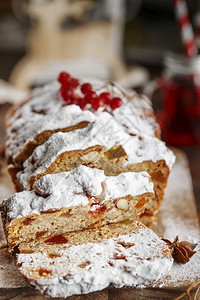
x=181 y=251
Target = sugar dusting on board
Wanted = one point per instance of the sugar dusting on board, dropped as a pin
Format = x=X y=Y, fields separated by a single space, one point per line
x=6 y=188
x=9 y=273
x=178 y=216
x=180 y=274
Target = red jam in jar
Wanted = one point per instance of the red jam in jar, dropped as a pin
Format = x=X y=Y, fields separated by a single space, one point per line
x=180 y=86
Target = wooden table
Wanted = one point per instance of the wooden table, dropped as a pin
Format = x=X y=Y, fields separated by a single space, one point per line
x=193 y=154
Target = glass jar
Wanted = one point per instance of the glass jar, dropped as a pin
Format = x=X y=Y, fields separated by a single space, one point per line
x=180 y=88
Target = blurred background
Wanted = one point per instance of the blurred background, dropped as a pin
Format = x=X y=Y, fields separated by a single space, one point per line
x=122 y=40
x=133 y=42
x=145 y=29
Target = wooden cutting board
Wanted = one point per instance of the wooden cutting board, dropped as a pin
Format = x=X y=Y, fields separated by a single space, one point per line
x=177 y=216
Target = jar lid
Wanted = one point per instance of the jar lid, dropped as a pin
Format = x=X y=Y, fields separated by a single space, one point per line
x=179 y=64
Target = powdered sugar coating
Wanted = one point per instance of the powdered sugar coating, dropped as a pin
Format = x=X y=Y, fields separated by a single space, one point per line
x=27 y=130
x=91 y=267
x=129 y=183
x=38 y=102
x=104 y=131
x=47 y=111
x=78 y=180
x=73 y=188
x=136 y=116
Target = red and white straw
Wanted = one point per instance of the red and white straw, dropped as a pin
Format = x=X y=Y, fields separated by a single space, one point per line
x=187 y=33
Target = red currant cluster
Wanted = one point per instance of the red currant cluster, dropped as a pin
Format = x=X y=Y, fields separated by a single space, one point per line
x=69 y=84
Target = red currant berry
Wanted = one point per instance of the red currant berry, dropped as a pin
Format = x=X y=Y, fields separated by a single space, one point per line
x=107 y=97
x=116 y=102
x=82 y=100
x=97 y=102
x=64 y=78
x=74 y=83
x=82 y=103
x=75 y=101
x=69 y=101
x=85 y=88
x=65 y=93
x=89 y=96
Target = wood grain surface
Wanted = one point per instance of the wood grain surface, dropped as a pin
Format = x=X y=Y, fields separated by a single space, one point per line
x=108 y=294
x=193 y=154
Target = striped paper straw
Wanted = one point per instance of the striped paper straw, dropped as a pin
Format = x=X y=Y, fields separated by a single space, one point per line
x=187 y=33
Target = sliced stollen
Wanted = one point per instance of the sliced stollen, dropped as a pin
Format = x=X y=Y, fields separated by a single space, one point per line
x=105 y=136
x=74 y=200
x=45 y=136
x=94 y=259
x=31 y=123
x=102 y=144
